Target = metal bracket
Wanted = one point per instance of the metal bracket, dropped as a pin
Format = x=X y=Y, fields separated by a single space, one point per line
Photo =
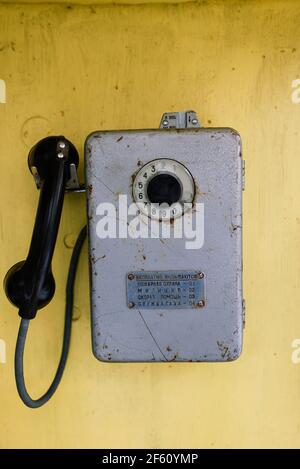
x=72 y=185
x=179 y=120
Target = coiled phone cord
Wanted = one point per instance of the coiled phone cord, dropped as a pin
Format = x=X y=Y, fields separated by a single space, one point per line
x=19 y=353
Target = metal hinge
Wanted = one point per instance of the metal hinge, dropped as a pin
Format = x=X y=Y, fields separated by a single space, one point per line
x=179 y=120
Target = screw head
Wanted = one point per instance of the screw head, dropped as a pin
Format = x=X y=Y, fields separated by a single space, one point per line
x=165 y=122
x=62 y=144
x=130 y=276
x=131 y=304
x=200 y=275
x=194 y=122
x=201 y=303
x=60 y=155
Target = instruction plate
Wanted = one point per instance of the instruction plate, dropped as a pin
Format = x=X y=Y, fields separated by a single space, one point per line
x=172 y=289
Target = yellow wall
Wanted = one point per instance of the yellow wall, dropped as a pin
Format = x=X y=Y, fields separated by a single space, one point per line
x=74 y=70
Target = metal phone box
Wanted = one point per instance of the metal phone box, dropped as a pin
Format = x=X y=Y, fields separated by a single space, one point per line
x=158 y=294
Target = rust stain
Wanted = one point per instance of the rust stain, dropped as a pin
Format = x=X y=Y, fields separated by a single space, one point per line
x=234 y=227
x=224 y=349
x=94 y=259
x=200 y=304
x=198 y=191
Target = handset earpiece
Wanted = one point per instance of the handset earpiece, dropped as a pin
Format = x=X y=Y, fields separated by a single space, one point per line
x=30 y=284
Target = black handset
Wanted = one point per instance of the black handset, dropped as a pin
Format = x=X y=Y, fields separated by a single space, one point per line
x=30 y=284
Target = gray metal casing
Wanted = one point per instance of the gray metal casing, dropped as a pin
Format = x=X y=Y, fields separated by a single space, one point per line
x=212 y=333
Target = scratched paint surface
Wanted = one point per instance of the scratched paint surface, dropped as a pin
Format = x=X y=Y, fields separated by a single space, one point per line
x=74 y=70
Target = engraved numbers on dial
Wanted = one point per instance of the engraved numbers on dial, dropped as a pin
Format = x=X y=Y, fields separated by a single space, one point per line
x=164 y=189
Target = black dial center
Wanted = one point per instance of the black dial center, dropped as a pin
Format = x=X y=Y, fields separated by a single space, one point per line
x=164 y=188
